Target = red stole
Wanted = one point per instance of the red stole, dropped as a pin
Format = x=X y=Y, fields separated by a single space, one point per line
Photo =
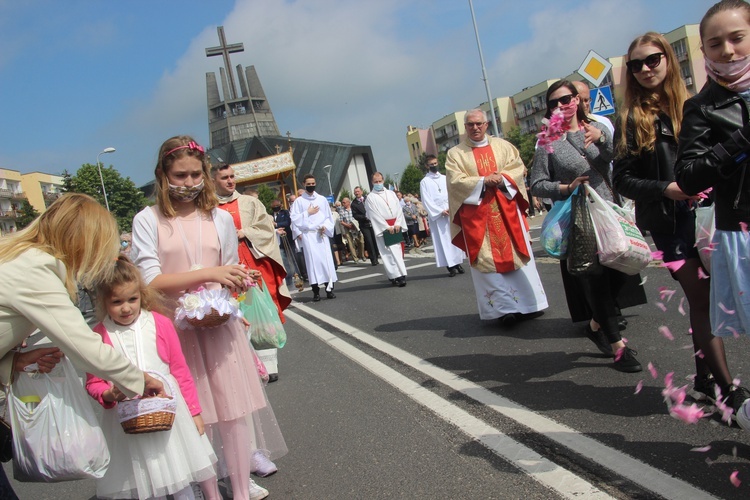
x=273 y=274
x=495 y=214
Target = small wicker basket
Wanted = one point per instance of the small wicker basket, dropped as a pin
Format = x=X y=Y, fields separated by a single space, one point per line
x=143 y=415
x=210 y=320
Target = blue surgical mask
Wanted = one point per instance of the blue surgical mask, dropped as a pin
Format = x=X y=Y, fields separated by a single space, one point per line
x=378 y=187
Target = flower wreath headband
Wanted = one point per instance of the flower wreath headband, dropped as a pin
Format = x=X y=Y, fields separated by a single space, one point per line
x=192 y=145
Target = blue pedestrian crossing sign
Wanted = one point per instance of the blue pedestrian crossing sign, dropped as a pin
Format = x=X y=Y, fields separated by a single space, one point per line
x=602 y=103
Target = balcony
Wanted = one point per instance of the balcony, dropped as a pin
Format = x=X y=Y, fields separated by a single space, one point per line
x=689 y=81
x=17 y=195
x=51 y=195
x=682 y=56
x=8 y=214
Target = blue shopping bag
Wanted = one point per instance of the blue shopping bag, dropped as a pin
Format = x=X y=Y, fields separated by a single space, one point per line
x=556 y=229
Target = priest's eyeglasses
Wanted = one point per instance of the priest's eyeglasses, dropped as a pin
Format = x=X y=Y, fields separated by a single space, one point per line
x=474 y=124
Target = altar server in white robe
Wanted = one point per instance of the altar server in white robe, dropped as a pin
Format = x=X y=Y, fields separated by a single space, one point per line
x=312 y=226
x=435 y=200
x=387 y=217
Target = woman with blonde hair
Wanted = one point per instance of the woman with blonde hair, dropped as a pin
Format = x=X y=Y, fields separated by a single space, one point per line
x=646 y=150
x=74 y=242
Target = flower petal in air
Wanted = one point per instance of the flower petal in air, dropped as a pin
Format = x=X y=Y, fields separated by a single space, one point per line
x=666 y=332
x=638 y=386
x=701 y=274
x=734 y=479
x=701 y=449
x=725 y=309
x=675 y=265
x=652 y=369
x=661 y=306
x=688 y=414
x=681 y=309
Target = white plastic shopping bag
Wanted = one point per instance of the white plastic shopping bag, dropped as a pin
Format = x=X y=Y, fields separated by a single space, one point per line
x=621 y=244
x=705 y=226
x=56 y=436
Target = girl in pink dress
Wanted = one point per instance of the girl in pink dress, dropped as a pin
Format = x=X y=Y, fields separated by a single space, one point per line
x=156 y=464
x=179 y=245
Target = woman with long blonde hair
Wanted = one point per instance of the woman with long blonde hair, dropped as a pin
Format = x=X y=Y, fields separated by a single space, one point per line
x=74 y=242
x=646 y=151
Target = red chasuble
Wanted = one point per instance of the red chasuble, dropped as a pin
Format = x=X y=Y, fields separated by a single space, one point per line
x=273 y=274
x=496 y=215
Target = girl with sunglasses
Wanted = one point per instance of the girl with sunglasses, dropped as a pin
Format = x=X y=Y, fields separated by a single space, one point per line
x=714 y=146
x=582 y=155
x=646 y=149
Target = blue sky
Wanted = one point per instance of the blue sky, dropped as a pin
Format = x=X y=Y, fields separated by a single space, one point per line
x=78 y=76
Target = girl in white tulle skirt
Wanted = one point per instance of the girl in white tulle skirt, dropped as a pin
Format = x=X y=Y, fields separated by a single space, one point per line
x=155 y=464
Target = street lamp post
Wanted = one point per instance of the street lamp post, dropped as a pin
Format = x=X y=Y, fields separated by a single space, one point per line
x=327 y=168
x=101 y=179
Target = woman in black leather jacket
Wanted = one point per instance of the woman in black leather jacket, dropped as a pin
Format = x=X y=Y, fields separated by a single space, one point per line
x=713 y=153
x=646 y=149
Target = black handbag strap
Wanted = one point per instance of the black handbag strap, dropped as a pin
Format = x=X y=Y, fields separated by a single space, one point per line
x=605 y=175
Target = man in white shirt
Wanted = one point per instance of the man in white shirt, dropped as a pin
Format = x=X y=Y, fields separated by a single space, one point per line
x=435 y=199
x=312 y=224
x=388 y=222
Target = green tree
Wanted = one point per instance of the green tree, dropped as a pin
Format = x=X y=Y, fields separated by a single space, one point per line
x=410 y=179
x=124 y=197
x=266 y=195
x=524 y=143
x=26 y=214
x=345 y=194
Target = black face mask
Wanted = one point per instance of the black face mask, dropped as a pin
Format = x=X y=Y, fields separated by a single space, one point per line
x=433 y=170
x=276 y=209
x=310 y=189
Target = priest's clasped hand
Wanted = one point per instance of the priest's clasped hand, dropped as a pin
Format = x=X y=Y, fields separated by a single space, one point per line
x=493 y=180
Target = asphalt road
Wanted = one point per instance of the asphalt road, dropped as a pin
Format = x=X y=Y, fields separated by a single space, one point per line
x=404 y=393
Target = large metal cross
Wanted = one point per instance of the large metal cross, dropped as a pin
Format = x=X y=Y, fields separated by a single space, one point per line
x=224 y=50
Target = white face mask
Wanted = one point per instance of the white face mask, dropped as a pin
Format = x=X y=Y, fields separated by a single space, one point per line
x=377 y=187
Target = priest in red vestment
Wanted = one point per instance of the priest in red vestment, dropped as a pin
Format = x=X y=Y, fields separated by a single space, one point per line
x=487 y=202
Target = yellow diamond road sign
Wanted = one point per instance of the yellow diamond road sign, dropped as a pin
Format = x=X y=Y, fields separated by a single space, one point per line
x=594 y=68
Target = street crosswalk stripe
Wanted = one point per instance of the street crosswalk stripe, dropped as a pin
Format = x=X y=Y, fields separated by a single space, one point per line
x=359 y=278
x=535 y=465
x=626 y=466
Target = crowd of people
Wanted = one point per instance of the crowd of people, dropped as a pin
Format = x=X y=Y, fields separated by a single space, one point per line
x=668 y=152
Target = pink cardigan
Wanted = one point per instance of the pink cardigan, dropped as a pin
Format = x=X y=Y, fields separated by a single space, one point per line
x=169 y=350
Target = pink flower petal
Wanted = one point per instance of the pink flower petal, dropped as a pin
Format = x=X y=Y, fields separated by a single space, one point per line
x=657 y=255
x=699 y=353
x=653 y=371
x=674 y=266
x=643 y=281
x=725 y=309
x=665 y=292
x=638 y=386
x=734 y=479
x=702 y=449
x=701 y=274
x=681 y=309
x=666 y=332
x=736 y=382
x=688 y=414
x=668 y=378
x=743 y=227
x=661 y=306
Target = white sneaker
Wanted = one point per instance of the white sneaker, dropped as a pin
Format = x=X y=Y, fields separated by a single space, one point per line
x=257 y=492
x=262 y=466
x=743 y=415
x=197 y=491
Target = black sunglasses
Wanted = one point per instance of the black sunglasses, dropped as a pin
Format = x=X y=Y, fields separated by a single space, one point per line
x=564 y=100
x=652 y=61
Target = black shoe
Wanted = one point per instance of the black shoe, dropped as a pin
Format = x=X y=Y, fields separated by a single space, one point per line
x=374 y=262
x=459 y=268
x=316 y=297
x=451 y=272
x=401 y=281
x=704 y=389
x=626 y=361
x=273 y=377
x=509 y=319
x=737 y=395
x=394 y=282
x=599 y=340
x=622 y=323
x=330 y=295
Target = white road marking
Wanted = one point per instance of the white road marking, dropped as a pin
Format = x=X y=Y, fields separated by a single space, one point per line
x=539 y=468
x=359 y=278
x=622 y=464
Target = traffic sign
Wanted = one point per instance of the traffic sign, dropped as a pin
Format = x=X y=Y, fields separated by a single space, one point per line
x=602 y=103
x=594 y=68
x=330 y=199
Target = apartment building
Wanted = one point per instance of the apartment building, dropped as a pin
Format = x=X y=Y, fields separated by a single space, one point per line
x=505 y=114
x=41 y=189
x=11 y=196
x=530 y=106
x=420 y=140
x=448 y=130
